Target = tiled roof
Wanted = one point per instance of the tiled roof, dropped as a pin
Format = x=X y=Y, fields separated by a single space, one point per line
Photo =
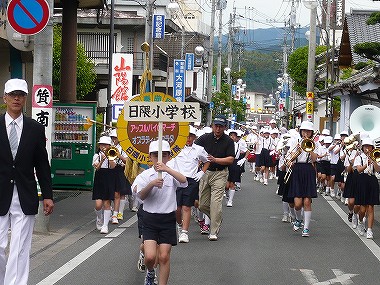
x=360 y=32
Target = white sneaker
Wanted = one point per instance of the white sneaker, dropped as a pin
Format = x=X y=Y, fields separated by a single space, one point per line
x=183 y=238
x=271 y=176
x=332 y=193
x=229 y=203
x=285 y=218
x=265 y=182
x=342 y=199
x=212 y=237
x=104 y=229
x=261 y=180
x=361 y=228
x=354 y=221
x=346 y=201
x=99 y=223
x=369 y=234
x=114 y=220
x=257 y=178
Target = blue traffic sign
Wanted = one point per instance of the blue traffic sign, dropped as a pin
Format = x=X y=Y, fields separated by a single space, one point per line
x=28 y=17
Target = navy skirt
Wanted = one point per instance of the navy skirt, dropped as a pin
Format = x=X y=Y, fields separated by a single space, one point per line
x=325 y=167
x=351 y=184
x=122 y=184
x=302 y=182
x=338 y=171
x=104 y=184
x=234 y=172
x=265 y=158
x=367 y=190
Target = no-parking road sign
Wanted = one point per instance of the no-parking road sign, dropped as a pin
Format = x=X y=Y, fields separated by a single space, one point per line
x=28 y=17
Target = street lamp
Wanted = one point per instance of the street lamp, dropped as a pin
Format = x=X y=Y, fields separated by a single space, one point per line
x=312 y=5
x=199 y=52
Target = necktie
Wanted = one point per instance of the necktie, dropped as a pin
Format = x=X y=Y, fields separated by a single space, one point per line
x=13 y=139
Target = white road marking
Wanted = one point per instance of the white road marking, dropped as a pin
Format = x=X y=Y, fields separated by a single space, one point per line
x=371 y=245
x=84 y=255
x=340 y=277
x=73 y=263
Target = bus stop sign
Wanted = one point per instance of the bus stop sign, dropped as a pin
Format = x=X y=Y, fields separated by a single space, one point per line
x=28 y=17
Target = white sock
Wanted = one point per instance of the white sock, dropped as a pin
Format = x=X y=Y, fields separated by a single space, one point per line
x=299 y=215
x=307 y=218
x=99 y=213
x=122 y=205
x=285 y=207
x=115 y=213
x=106 y=217
x=231 y=193
x=292 y=212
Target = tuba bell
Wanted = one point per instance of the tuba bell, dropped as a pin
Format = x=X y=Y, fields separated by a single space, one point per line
x=375 y=155
x=112 y=153
x=365 y=119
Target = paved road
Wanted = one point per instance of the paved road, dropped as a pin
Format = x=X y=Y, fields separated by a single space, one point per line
x=254 y=247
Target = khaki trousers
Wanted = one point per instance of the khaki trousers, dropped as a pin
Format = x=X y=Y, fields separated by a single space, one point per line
x=211 y=190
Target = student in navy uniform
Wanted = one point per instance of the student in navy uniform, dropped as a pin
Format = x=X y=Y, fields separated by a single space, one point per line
x=123 y=188
x=302 y=185
x=367 y=194
x=159 y=210
x=23 y=155
x=104 y=184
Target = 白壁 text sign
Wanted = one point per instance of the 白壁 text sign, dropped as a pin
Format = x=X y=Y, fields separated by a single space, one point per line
x=162 y=111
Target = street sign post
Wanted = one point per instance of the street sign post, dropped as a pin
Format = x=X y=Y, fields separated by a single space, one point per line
x=28 y=17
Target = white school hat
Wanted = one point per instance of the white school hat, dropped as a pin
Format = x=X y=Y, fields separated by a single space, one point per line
x=16 y=84
x=306 y=125
x=153 y=146
x=105 y=140
x=367 y=141
x=113 y=133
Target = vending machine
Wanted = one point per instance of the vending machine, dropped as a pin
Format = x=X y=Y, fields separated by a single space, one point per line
x=73 y=146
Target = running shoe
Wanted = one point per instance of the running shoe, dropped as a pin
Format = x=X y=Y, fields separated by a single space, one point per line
x=305 y=233
x=99 y=223
x=213 y=237
x=104 y=229
x=114 y=220
x=183 y=238
x=369 y=234
x=119 y=216
x=361 y=228
x=140 y=262
x=350 y=217
x=297 y=225
x=229 y=203
x=149 y=279
x=205 y=229
x=285 y=218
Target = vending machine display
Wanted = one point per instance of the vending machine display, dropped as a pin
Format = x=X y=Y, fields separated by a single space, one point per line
x=73 y=146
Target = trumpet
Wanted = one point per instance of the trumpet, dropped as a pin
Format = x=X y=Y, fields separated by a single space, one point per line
x=112 y=153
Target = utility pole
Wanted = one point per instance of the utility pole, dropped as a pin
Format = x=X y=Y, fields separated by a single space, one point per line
x=211 y=61
x=111 y=41
x=220 y=35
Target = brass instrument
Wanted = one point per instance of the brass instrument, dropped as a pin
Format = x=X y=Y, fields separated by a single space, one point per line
x=375 y=155
x=307 y=145
x=112 y=153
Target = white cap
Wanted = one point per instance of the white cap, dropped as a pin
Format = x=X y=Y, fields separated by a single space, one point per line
x=239 y=133
x=254 y=127
x=306 y=125
x=328 y=139
x=105 y=140
x=16 y=84
x=113 y=133
x=200 y=133
x=153 y=146
x=273 y=121
x=229 y=131
x=274 y=131
x=207 y=130
x=326 y=132
x=337 y=137
x=367 y=141
x=364 y=135
x=266 y=131
x=192 y=130
x=344 y=133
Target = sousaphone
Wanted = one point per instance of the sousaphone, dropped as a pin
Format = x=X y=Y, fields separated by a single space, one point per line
x=366 y=118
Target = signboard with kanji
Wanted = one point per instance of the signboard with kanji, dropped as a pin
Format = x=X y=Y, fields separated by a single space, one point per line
x=309 y=107
x=179 y=84
x=122 y=79
x=135 y=135
x=42 y=110
x=189 y=61
x=158 y=26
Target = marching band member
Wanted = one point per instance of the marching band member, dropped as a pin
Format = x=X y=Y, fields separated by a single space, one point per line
x=251 y=140
x=302 y=182
x=243 y=154
x=258 y=148
x=334 y=149
x=324 y=163
x=340 y=166
x=104 y=184
x=267 y=144
x=274 y=155
x=367 y=194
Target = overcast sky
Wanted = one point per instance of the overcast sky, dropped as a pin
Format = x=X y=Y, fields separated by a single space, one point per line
x=268 y=13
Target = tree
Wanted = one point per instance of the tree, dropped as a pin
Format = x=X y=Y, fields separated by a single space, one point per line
x=370 y=50
x=86 y=75
x=297 y=69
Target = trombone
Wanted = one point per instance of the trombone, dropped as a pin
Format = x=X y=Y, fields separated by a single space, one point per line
x=307 y=145
x=112 y=153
